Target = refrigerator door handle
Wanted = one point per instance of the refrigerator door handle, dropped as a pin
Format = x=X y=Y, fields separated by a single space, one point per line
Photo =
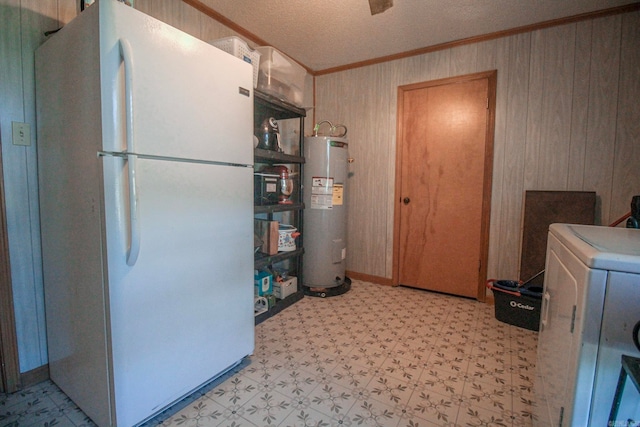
x=127 y=58
x=134 y=224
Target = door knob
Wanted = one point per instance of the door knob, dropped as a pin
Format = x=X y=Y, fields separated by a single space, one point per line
x=406 y=200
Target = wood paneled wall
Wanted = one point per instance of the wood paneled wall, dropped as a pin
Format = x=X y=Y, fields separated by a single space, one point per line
x=565 y=120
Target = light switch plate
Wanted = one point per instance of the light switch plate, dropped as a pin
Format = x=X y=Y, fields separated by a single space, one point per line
x=21 y=133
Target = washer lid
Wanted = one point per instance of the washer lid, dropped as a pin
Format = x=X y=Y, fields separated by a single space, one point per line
x=604 y=248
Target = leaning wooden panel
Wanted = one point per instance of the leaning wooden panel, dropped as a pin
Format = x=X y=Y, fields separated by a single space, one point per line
x=542 y=208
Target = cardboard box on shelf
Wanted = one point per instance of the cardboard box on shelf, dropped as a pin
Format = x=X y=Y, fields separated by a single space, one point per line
x=267 y=231
x=283 y=289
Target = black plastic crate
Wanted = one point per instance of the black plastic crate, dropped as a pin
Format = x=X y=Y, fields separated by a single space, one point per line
x=516 y=304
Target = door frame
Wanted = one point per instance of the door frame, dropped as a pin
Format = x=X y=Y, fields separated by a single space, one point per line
x=9 y=362
x=491 y=77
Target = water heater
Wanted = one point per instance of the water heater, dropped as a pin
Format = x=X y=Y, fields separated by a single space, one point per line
x=325 y=216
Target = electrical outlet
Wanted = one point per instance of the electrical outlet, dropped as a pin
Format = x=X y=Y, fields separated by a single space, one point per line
x=21 y=133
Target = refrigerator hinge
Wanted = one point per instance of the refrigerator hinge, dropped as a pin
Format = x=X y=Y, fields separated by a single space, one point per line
x=561 y=416
x=573 y=319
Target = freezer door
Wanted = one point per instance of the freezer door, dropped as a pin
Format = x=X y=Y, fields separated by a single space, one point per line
x=183 y=312
x=166 y=93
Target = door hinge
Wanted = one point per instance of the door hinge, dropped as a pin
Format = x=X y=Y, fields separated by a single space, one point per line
x=573 y=319
x=487 y=103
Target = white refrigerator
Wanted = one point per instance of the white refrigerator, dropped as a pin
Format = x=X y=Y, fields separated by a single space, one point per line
x=590 y=317
x=145 y=161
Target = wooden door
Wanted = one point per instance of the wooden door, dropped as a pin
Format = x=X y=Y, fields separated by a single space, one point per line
x=443 y=184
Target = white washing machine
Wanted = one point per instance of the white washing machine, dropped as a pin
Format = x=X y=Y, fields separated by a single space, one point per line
x=591 y=304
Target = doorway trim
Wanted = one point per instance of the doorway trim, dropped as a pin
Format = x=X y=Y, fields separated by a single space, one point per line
x=491 y=76
x=10 y=365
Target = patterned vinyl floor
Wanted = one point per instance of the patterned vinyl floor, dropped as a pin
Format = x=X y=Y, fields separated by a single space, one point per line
x=375 y=356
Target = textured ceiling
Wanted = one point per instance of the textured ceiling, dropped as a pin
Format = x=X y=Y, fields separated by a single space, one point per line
x=323 y=34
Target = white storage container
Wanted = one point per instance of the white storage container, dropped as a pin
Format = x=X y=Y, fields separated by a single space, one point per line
x=281 y=76
x=240 y=49
x=287 y=237
x=283 y=289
